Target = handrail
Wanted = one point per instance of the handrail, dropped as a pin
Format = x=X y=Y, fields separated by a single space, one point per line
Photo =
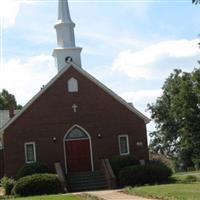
x=107 y=162
x=108 y=172
x=61 y=175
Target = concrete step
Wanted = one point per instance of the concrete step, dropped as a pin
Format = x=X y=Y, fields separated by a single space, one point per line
x=85 y=188
x=88 y=184
x=85 y=178
x=89 y=181
x=86 y=181
x=85 y=174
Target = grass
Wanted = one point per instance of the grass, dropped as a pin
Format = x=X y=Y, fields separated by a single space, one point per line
x=197 y=173
x=83 y=196
x=48 y=197
x=168 y=192
x=186 y=177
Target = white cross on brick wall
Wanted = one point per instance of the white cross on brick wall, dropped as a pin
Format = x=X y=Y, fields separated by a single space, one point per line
x=74 y=107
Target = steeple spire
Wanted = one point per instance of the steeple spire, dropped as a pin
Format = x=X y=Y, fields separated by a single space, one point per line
x=66 y=50
x=63 y=11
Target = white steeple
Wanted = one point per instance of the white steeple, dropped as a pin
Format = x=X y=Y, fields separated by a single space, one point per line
x=66 y=50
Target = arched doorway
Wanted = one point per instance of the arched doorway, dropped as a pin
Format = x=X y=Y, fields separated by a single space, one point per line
x=78 y=150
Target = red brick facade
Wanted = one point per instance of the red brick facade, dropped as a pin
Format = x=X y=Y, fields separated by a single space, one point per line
x=51 y=115
x=1 y=164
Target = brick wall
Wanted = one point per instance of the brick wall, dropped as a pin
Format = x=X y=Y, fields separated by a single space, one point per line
x=1 y=164
x=51 y=115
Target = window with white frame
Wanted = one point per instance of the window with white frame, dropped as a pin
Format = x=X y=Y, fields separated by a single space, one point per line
x=123 y=145
x=30 y=153
x=72 y=85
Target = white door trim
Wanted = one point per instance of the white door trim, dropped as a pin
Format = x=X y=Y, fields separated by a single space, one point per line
x=90 y=142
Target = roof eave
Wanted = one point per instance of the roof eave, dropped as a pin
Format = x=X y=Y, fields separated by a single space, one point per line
x=106 y=89
x=2 y=130
x=120 y=99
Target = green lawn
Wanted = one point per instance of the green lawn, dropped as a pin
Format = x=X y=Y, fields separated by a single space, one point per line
x=195 y=173
x=49 y=197
x=169 y=191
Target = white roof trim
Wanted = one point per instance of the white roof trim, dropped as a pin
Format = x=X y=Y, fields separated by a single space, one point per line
x=109 y=91
x=118 y=98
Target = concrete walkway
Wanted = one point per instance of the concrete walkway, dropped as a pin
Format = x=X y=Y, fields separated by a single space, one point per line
x=114 y=195
x=1 y=191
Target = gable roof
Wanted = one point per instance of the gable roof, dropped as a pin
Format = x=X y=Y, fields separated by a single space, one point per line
x=90 y=77
x=5 y=116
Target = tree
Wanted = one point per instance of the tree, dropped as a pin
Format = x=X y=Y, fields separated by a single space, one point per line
x=177 y=116
x=8 y=101
x=196 y=1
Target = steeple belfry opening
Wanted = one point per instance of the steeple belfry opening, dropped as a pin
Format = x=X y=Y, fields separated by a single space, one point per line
x=66 y=50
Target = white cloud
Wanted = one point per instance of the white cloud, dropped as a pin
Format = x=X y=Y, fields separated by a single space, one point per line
x=24 y=79
x=112 y=39
x=9 y=10
x=141 y=98
x=142 y=95
x=158 y=60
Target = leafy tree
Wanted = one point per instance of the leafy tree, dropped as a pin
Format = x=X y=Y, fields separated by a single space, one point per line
x=196 y=1
x=8 y=101
x=177 y=115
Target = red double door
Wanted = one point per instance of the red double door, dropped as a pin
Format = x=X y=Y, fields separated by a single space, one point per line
x=78 y=155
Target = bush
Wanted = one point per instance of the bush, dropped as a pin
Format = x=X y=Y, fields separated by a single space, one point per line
x=7 y=184
x=160 y=163
x=196 y=164
x=120 y=162
x=37 y=184
x=190 y=179
x=34 y=168
x=186 y=179
x=148 y=174
x=162 y=159
x=190 y=169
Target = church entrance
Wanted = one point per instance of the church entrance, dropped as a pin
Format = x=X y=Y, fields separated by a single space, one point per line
x=78 y=151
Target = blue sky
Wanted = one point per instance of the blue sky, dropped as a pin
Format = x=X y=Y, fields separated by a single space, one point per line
x=130 y=46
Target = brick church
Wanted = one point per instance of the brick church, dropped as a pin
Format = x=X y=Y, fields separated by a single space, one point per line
x=74 y=120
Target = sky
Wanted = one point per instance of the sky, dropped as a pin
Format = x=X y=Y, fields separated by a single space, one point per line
x=129 y=45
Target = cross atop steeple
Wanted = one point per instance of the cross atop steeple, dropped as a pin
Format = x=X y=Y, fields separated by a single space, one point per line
x=66 y=50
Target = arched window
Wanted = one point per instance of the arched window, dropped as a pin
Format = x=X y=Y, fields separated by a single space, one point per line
x=76 y=133
x=72 y=85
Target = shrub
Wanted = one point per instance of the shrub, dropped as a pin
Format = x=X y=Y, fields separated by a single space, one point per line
x=196 y=163
x=148 y=174
x=7 y=184
x=34 y=168
x=119 y=162
x=190 y=169
x=190 y=179
x=186 y=179
x=161 y=164
x=161 y=158
x=37 y=184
